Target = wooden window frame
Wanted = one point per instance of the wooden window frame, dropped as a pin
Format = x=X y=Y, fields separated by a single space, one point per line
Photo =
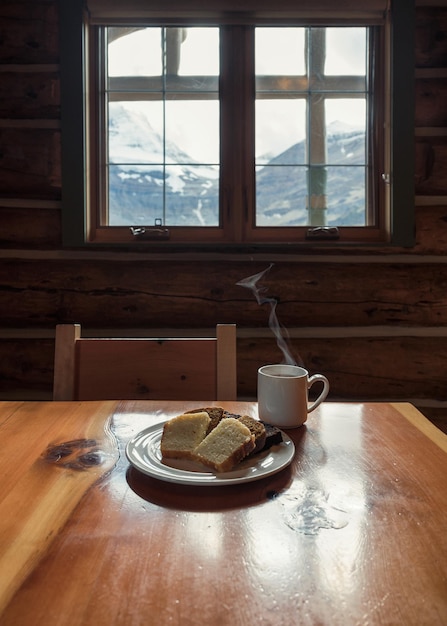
x=79 y=155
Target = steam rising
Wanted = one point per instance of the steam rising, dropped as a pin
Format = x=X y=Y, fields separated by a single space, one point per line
x=281 y=334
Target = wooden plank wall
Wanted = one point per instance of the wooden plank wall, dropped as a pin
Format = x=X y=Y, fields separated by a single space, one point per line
x=375 y=321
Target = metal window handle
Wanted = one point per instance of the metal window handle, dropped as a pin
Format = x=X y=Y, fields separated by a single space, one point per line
x=150 y=232
x=323 y=232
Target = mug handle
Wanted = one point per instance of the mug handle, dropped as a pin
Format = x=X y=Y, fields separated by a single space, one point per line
x=314 y=379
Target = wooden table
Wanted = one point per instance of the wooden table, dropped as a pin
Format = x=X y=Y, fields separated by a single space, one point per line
x=354 y=531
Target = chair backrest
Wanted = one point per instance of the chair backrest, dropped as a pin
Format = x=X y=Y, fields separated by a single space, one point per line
x=144 y=368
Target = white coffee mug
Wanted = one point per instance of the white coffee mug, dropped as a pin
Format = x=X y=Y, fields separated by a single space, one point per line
x=283 y=394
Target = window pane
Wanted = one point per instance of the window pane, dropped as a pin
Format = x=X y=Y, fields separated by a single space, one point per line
x=280 y=130
x=279 y=51
x=345 y=51
x=312 y=121
x=346 y=196
x=158 y=194
x=136 y=132
x=140 y=179
x=135 y=194
x=192 y=196
x=163 y=131
x=199 y=52
x=281 y=193
x=345 y=128
x=192 y=130
x=137 y=53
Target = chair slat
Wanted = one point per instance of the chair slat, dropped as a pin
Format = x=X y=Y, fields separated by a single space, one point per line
x=64 y=361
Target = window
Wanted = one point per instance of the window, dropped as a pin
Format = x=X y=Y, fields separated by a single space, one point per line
x=237 y=125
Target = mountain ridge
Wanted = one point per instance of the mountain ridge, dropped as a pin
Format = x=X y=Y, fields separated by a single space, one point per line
x=190 y=196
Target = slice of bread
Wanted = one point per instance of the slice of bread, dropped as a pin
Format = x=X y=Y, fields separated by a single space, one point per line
x=226 y=445
x=273 y=436
x=182 y=434
x=215 y=413
x=257 y=429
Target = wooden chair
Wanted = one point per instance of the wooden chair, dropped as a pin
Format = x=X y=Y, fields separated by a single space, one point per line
x=144 y=368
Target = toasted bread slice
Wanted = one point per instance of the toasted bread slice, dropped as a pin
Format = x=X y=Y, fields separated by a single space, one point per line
x=273 y=436
x=257 y=429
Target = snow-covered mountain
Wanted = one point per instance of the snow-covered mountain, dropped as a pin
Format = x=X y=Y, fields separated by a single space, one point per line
x=190 y=196
x=136 y=174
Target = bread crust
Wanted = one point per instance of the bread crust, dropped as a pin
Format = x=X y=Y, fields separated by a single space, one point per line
x=215 y=413
x=257 y=429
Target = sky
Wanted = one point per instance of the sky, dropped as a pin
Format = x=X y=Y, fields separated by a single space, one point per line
x=195 y=129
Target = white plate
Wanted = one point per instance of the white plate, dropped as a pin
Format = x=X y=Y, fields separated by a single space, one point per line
x=143 y=452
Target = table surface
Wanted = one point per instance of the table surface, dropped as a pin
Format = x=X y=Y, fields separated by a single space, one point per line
x=353 y=531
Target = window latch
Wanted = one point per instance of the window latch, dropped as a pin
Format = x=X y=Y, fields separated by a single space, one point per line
x=323 y=232
x=150 y=232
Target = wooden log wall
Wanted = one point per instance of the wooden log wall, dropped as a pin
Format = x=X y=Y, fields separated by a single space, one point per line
x=374 y=321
